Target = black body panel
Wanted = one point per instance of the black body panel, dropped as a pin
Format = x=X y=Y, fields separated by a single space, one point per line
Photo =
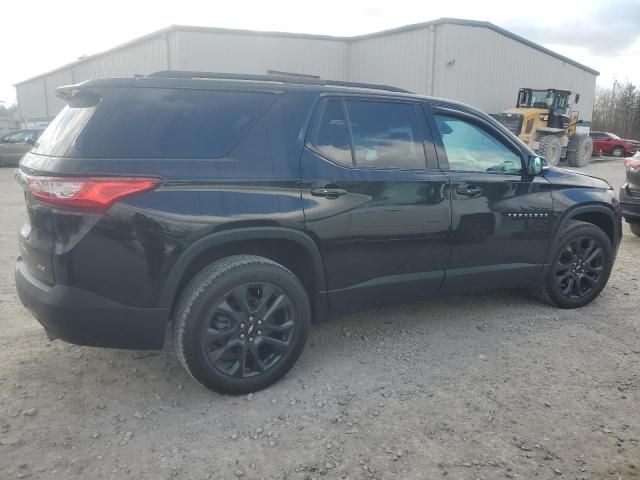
x=361 y=236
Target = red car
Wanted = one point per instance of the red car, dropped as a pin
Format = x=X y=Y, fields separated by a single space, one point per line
x=611 y=144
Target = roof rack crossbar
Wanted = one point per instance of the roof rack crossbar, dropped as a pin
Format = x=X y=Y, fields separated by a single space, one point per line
x=272 y=78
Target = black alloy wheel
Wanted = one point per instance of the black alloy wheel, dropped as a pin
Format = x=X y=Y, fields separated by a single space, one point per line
x=579 y=267
x=241 y=324
x=249 y=330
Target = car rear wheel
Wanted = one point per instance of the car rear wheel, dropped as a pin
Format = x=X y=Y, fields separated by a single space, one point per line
x=617 y=152
x=241 y=324
x=580 y=268
x=635 y=228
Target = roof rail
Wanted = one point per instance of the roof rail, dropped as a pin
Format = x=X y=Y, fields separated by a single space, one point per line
x=272 y=78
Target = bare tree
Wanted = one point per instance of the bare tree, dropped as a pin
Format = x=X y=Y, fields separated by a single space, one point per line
x=616 y=109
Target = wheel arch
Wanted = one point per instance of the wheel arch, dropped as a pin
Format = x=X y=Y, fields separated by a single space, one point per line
x=601 y=215
x=618 y=145
x=293 y=249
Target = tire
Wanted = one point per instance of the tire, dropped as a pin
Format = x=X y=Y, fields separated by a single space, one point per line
x=550 y=147
x=561 y=271
x=618 y=152
x=635 y=228
x=579 y=150
x=241 y=324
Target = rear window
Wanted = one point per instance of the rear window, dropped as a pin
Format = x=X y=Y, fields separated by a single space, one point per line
x=61 y=132
x=163 y=123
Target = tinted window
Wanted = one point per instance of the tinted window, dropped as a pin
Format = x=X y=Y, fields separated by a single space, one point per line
x=471 y=148
x=333 y=134
x=60 y=133
x=386 y=135
x=20 y=137
x=173 y=123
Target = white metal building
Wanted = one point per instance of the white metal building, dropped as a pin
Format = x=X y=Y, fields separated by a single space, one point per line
x=470 y=61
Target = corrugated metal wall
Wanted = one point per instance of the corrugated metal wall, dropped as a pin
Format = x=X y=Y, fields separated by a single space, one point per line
x=483 y=68
x=256 y=54
x=474 y=65
x=399 y=59
x=141 y=57
x=32 y=100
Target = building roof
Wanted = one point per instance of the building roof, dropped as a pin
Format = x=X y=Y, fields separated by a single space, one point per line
x=405 y=28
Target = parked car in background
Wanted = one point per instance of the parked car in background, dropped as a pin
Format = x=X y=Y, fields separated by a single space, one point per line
x=630 y=194
x=239 y=208
x=15 y=144
x=611 y=144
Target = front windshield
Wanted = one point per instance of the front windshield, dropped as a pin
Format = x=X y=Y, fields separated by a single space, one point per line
x=614 y=136
x=539 y=99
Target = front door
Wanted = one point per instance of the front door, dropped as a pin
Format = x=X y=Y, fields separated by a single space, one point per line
x=375 y=201
x=501 y=224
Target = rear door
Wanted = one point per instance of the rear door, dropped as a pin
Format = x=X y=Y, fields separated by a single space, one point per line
x=375 y=201
x=501 y=222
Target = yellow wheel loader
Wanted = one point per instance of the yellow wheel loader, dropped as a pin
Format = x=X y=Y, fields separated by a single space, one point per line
x=544 y=120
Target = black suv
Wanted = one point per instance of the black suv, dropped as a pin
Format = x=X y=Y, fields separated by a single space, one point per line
x=238 y=209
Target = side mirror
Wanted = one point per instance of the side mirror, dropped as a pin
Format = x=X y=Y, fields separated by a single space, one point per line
x=577 y=98
x=537 y=166
x=30 y=141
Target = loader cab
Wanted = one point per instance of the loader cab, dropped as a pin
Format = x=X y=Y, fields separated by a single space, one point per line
x=555 y=101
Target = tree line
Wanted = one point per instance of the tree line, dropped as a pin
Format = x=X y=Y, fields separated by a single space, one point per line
x=616 y=109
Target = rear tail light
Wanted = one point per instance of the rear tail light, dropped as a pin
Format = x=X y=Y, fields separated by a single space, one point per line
x=91 y=194
x=632 y=164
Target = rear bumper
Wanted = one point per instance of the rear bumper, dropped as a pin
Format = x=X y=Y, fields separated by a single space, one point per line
x=630 y=206
x=84 y=318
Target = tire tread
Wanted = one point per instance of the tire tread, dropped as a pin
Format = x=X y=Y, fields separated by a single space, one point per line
x=543 y=291
x=197 y=287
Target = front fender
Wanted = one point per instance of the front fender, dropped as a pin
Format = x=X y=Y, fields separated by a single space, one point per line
x=572 y=203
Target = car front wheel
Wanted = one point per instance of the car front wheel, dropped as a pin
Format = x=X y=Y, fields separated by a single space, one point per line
x=580 y=268
x=241 y=324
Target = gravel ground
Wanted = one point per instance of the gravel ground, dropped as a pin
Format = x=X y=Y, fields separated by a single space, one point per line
x=486 y=386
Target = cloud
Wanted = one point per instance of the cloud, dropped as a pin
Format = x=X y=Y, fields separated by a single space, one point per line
x=610 y=29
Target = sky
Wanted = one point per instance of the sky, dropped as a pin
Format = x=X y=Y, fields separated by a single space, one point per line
x=602 y=34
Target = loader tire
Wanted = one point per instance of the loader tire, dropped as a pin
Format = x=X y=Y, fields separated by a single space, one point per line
x=579 y=150
x=550 y=147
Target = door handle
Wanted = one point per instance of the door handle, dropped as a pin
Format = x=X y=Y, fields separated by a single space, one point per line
x=469 y=190
x=328 y=192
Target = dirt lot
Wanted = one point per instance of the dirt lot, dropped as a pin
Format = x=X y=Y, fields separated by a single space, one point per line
x=477 y=387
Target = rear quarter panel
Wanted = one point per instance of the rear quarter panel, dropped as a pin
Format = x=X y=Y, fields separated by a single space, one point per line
x=128 y=253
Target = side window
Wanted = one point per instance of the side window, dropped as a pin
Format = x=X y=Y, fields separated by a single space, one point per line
x=333 y=135
x=166 y=123
x=382 y=134
x=471 y=148
x=19 y=137
x=386 y=135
